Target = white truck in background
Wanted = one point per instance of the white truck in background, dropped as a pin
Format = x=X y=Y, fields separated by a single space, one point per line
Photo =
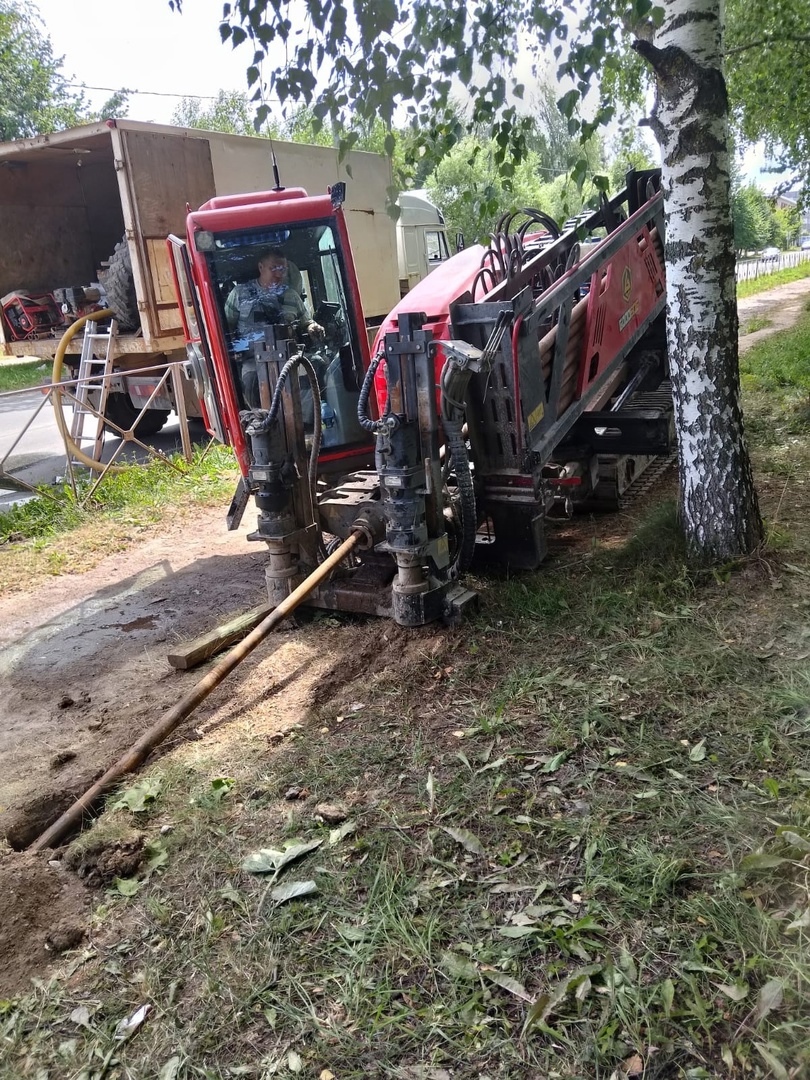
x=97 y=202
x=421 y=239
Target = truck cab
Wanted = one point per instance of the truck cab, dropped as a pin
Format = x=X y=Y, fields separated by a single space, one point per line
x=421 y=239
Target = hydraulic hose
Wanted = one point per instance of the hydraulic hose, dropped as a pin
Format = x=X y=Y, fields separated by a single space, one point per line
x=365 y=421
x=453 y=382
x=154 y=735
x=265 y=423
x=73 y=451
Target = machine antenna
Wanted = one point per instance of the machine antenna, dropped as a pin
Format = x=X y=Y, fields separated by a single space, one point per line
x=276 y=176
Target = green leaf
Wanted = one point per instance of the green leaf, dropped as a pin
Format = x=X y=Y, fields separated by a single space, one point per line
x=568 y=102
x=293 y=890
x=140 y=796
x=796 y=840
x=221 y=785
x=341 y=832
x=262 y=861
x=555 y=762
x=698 y=751
x=469 y=841
x=170 y=1070
x=770 y=998
x=773 y=1062
x=761 y=861
x=127 y=886
x=506 y=982
x=155 y=855
x=294 y=1062
x=734 y=991
x=516 y=931
x=667 y=995
x=458 y=967
x=267 y=859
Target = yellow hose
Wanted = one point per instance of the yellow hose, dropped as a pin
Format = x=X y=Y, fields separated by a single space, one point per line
x=73 y=451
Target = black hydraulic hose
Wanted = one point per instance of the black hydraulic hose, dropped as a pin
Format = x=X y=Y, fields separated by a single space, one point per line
x=457 y=449
x=365 y=421
x=317 y=427
x=453 y=382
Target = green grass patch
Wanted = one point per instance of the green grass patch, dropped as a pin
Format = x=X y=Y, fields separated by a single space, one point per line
x=139 y=493
x=781 y=363
x=771 y=281
x=574 y=838
x=21 y=376
x=59 y=532
x=757 y=323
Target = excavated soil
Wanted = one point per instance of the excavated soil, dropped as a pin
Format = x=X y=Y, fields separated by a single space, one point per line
x=45 y=912
x=84 y=673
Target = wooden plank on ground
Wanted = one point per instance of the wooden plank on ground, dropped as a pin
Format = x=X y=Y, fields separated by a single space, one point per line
x=221 y=637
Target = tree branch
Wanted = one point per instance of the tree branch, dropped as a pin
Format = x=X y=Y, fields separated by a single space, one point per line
x=773 y=39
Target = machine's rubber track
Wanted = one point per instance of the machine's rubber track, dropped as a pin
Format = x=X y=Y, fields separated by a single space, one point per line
x=647 y=480
x=119 y=287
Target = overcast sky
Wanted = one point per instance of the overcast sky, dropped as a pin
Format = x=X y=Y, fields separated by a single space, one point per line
x=143 y=45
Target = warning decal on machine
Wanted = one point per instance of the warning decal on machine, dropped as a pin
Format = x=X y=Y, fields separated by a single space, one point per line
x=628 y=315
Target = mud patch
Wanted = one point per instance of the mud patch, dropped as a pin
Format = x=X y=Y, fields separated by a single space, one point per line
x=146 y=622
x=45 y=912
x=100 y=859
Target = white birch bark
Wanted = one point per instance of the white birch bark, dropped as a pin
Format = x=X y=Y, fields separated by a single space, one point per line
x=718 y=501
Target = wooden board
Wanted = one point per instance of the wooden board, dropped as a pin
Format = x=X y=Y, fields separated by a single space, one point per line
x=166 y=172
x=59 y=218
x=221 y=637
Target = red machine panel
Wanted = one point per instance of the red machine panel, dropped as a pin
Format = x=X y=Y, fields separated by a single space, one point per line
x=622 y=295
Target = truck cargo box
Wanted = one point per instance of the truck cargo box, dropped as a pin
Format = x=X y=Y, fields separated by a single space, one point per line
x=68 y=198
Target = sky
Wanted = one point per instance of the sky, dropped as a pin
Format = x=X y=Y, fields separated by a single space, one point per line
x=145 y=46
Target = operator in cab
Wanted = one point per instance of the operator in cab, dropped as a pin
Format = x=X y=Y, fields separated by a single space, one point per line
x=268 y=299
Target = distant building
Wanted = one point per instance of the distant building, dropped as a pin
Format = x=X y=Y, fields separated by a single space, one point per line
x=790 y=201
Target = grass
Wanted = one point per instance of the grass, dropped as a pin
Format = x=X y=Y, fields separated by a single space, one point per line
x=771 y=281
x=21 y=376
x=548 y=878
x=575 y=842
x=56 y=531
x=781 y=364
x=759 y=322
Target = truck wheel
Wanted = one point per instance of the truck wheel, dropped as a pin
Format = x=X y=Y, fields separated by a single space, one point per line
x=122 y=412
x=119 y=288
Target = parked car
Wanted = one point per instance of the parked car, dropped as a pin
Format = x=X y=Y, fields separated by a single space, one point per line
x=770 y=254
x=806 y=245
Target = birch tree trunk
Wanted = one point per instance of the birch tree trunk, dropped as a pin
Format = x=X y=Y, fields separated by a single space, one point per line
x=718 y=501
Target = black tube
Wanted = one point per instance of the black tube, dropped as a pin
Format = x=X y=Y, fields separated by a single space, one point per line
x=365 y=421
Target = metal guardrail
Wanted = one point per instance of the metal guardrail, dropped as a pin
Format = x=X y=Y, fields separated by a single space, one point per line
x=751 y=269
x=66 y=393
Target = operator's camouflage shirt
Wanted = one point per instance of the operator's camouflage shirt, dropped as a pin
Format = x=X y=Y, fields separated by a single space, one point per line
x=272 y=303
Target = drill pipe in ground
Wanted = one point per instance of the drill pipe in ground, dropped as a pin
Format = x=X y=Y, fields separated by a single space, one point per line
x=170 y=719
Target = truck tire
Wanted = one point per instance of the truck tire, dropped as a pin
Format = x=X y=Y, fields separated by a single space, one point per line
x=122 y=412
x=119 y=288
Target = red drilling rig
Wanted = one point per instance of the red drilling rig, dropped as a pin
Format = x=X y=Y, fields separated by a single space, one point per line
x=517 y=381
